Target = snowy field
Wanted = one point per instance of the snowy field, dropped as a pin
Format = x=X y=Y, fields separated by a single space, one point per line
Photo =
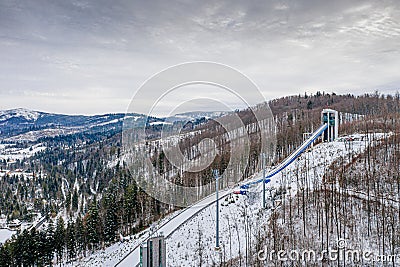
x=191 y=232
x=11 y=153
x=35 y=135
x=5 y=234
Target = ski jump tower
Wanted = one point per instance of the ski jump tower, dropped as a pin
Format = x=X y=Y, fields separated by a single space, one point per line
x=330 y=117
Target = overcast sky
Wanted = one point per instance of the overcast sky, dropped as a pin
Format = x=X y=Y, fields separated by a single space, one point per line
x=90 y=57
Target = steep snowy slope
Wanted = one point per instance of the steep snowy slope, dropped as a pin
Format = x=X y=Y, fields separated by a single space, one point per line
x=191 y=232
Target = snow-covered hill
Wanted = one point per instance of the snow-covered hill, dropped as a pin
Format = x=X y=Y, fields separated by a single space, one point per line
x=21 y=113
x=192 y=116
x=191 y=235
x=29 y=125
x=243 y=222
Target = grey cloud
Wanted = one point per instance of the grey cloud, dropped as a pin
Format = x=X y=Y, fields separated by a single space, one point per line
x=73 y=56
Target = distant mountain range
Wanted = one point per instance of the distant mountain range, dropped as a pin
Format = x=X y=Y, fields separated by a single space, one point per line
x=194 y=115
x=29 y=125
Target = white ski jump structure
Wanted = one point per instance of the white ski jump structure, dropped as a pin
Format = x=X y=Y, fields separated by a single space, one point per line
x=328 y=129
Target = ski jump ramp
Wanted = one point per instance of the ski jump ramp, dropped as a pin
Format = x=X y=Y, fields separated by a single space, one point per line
x=169 y=227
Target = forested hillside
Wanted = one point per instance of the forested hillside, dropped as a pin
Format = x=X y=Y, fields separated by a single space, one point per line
x=88 y=196
x=356 y=201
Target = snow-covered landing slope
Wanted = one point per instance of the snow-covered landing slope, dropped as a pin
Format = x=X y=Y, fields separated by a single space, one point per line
x=242 y=219
x=192 y=230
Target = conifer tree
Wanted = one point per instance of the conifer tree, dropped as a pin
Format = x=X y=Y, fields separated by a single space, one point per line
x=49 y=245
x=80 y=237
x=111 y=220
x=93 y=226
x=59 y=239
x=70 y=240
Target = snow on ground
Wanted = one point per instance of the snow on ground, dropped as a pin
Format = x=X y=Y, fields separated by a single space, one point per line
x=192 y=230
x=35 y=135
x=238 y=215
x=37 y=222
x=21 y=174
x=11 y=153
x=27 y=114
x=108 y=122
x=5 y=234
x=160 y=123
x=112 y=254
